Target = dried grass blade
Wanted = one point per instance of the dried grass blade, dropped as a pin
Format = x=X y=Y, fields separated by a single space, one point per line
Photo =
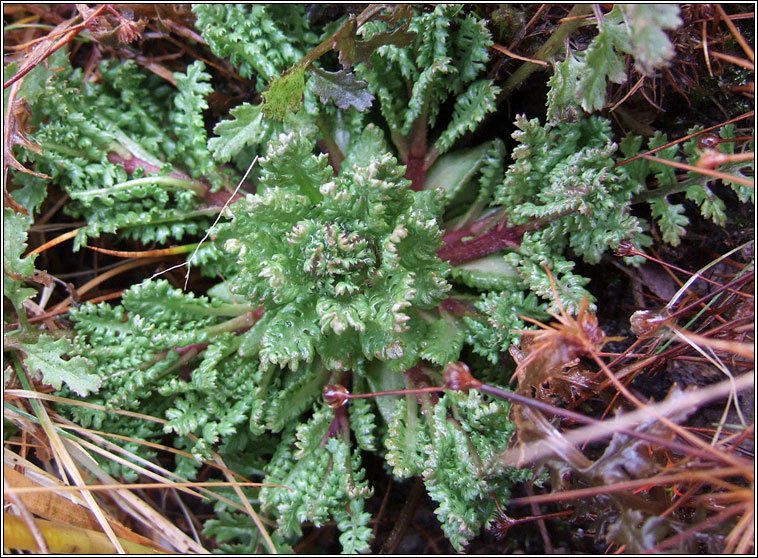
x=64 y=457
x=746 y=350
x=246 y=503
x=138 y=508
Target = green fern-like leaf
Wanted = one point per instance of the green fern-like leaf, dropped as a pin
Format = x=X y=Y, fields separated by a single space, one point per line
x=602 y=63
x=650 y=45
x=325 y=477
x=258 y=39
x=470 y=109
x=438 y=64
x=581 y=79
x=188 y=123
x=670 y=218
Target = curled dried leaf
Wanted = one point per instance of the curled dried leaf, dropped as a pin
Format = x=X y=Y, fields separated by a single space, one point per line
x=556 y=345
x=16 y=127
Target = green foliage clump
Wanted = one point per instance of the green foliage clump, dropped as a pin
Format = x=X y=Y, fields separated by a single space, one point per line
x=325 y=479
x=95 y=134
x=563 y=175
x=453 y=445
x=342 y=263
x=565 y=193
x=141 y=347
x=443 y=62
x=670 y=217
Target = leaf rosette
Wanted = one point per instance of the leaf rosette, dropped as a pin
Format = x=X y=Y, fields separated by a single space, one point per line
x=342 y=263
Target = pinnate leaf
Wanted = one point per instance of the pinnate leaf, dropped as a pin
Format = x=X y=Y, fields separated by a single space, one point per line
x=671 y=219
x=470 y=109
x=14 y=266
x=602 y=63
x=245 y=128
x=46 y=356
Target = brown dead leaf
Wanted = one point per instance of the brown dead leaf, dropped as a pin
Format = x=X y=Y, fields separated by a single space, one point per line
x=49 y=504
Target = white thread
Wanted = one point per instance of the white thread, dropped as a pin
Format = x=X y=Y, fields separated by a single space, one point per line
x=188 y=263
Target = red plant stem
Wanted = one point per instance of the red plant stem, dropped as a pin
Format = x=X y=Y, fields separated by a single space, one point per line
x=192 y=346
x=338 y=427
x=52 y=314
x=430 y=389
x=635 y=252
x=474 y=229
x=416 y=166
x=417 y=376
x=455 y=308
x=415 y=172
x=457 y=251
x=731 y=286
x=622 y=486
x=531 y=518
x=132 y=163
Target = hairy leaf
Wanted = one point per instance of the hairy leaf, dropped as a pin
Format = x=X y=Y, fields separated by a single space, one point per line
x=602 y=63
x=581 y=79
x=649 y=43
x=342 y=88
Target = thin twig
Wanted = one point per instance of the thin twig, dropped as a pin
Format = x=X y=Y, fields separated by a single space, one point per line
x=707 y=172
x=736 y=33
